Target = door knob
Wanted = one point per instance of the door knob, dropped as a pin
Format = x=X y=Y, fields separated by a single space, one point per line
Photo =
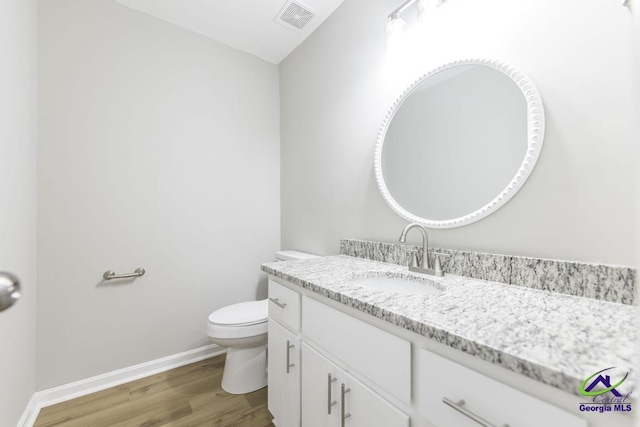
x=9 y=290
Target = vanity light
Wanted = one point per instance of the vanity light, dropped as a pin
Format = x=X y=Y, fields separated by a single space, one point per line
x=424 y=5
x=397 y=26
x=394 y=30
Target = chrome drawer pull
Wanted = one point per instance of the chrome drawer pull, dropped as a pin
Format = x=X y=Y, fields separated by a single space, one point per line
x=330 y=403
x=289 y=364
x=110 y=274
x=459 y=406
x=277 y=302
x=343 y=391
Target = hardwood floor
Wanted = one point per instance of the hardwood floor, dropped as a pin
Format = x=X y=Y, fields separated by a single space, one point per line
x=189 y=396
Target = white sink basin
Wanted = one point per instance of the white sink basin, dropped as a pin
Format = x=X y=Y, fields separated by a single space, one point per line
x=400 y=285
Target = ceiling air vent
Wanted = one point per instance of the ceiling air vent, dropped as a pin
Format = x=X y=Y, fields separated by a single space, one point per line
x=294 y=15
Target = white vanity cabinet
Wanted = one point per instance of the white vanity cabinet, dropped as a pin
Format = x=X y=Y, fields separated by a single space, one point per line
x=393 y=377
x=284 y=356
x=333 y=398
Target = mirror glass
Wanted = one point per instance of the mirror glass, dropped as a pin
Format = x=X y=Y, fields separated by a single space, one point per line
x=459 y=143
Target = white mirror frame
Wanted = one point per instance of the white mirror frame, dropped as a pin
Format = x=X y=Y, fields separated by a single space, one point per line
x=535 y=137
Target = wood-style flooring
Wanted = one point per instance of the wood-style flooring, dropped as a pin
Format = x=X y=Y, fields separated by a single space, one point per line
x=189 y=396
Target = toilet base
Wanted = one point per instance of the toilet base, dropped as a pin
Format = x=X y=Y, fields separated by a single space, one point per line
x=245 y=370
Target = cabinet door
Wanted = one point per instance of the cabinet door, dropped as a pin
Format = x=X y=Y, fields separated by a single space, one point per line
x=364 y=408
x=284 y=376
x=358 y=405
x=320 y=390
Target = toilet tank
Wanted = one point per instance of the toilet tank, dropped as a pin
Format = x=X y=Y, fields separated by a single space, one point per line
x=290 y=255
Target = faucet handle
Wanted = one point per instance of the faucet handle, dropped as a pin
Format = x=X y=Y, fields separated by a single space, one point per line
x=439 y=254
x=414 y=256
x=444 y=254
x=437 y=266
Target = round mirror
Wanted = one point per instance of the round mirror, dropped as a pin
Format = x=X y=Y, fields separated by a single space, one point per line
x=459 y=143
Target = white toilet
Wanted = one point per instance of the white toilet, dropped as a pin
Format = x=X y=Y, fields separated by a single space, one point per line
x=243 y=329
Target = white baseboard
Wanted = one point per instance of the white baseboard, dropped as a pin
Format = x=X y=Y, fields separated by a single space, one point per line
x=30 y=414
x=44 y=398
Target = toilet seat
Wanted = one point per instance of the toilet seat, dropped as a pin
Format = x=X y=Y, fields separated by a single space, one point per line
x=242 y=320
x=241 y=314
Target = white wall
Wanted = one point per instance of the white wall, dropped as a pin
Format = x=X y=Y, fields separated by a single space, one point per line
x=579 y=202
x=159 y=148
x=18 y=19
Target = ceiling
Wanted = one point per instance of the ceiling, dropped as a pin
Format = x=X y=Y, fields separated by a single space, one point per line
x=247 y=25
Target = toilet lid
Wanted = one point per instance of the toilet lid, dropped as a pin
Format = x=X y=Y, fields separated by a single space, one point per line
x=241 y=314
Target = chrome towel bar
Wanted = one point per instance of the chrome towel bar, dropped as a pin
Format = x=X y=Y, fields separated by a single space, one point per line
x=110 y=275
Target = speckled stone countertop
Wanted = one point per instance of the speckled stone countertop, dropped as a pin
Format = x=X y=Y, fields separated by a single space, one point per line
x=553 y=338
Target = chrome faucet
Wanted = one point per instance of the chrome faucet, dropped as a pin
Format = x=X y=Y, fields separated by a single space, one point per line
x=425 y=265
x=425 y=242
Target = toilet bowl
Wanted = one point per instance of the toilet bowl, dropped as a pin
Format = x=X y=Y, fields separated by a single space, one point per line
x=242 y=328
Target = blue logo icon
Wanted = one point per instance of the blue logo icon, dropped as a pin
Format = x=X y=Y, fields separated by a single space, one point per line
x=605 y=381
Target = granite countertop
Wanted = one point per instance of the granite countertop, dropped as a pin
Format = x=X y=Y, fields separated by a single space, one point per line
x=553 y=338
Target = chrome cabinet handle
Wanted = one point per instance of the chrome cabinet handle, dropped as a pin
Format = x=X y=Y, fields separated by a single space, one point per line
x=343 y=391
x=330 y=403
x=110 y=274
x=459 y=406
x=289 y=364
x=9 y=290
x=277 y=302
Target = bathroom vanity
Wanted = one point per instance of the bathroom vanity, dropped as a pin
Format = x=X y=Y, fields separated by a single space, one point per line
x=343 y=351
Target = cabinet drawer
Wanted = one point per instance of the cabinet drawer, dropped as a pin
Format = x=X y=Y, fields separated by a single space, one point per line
x=485 y=397
x=374 y=354
x=284 y=305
